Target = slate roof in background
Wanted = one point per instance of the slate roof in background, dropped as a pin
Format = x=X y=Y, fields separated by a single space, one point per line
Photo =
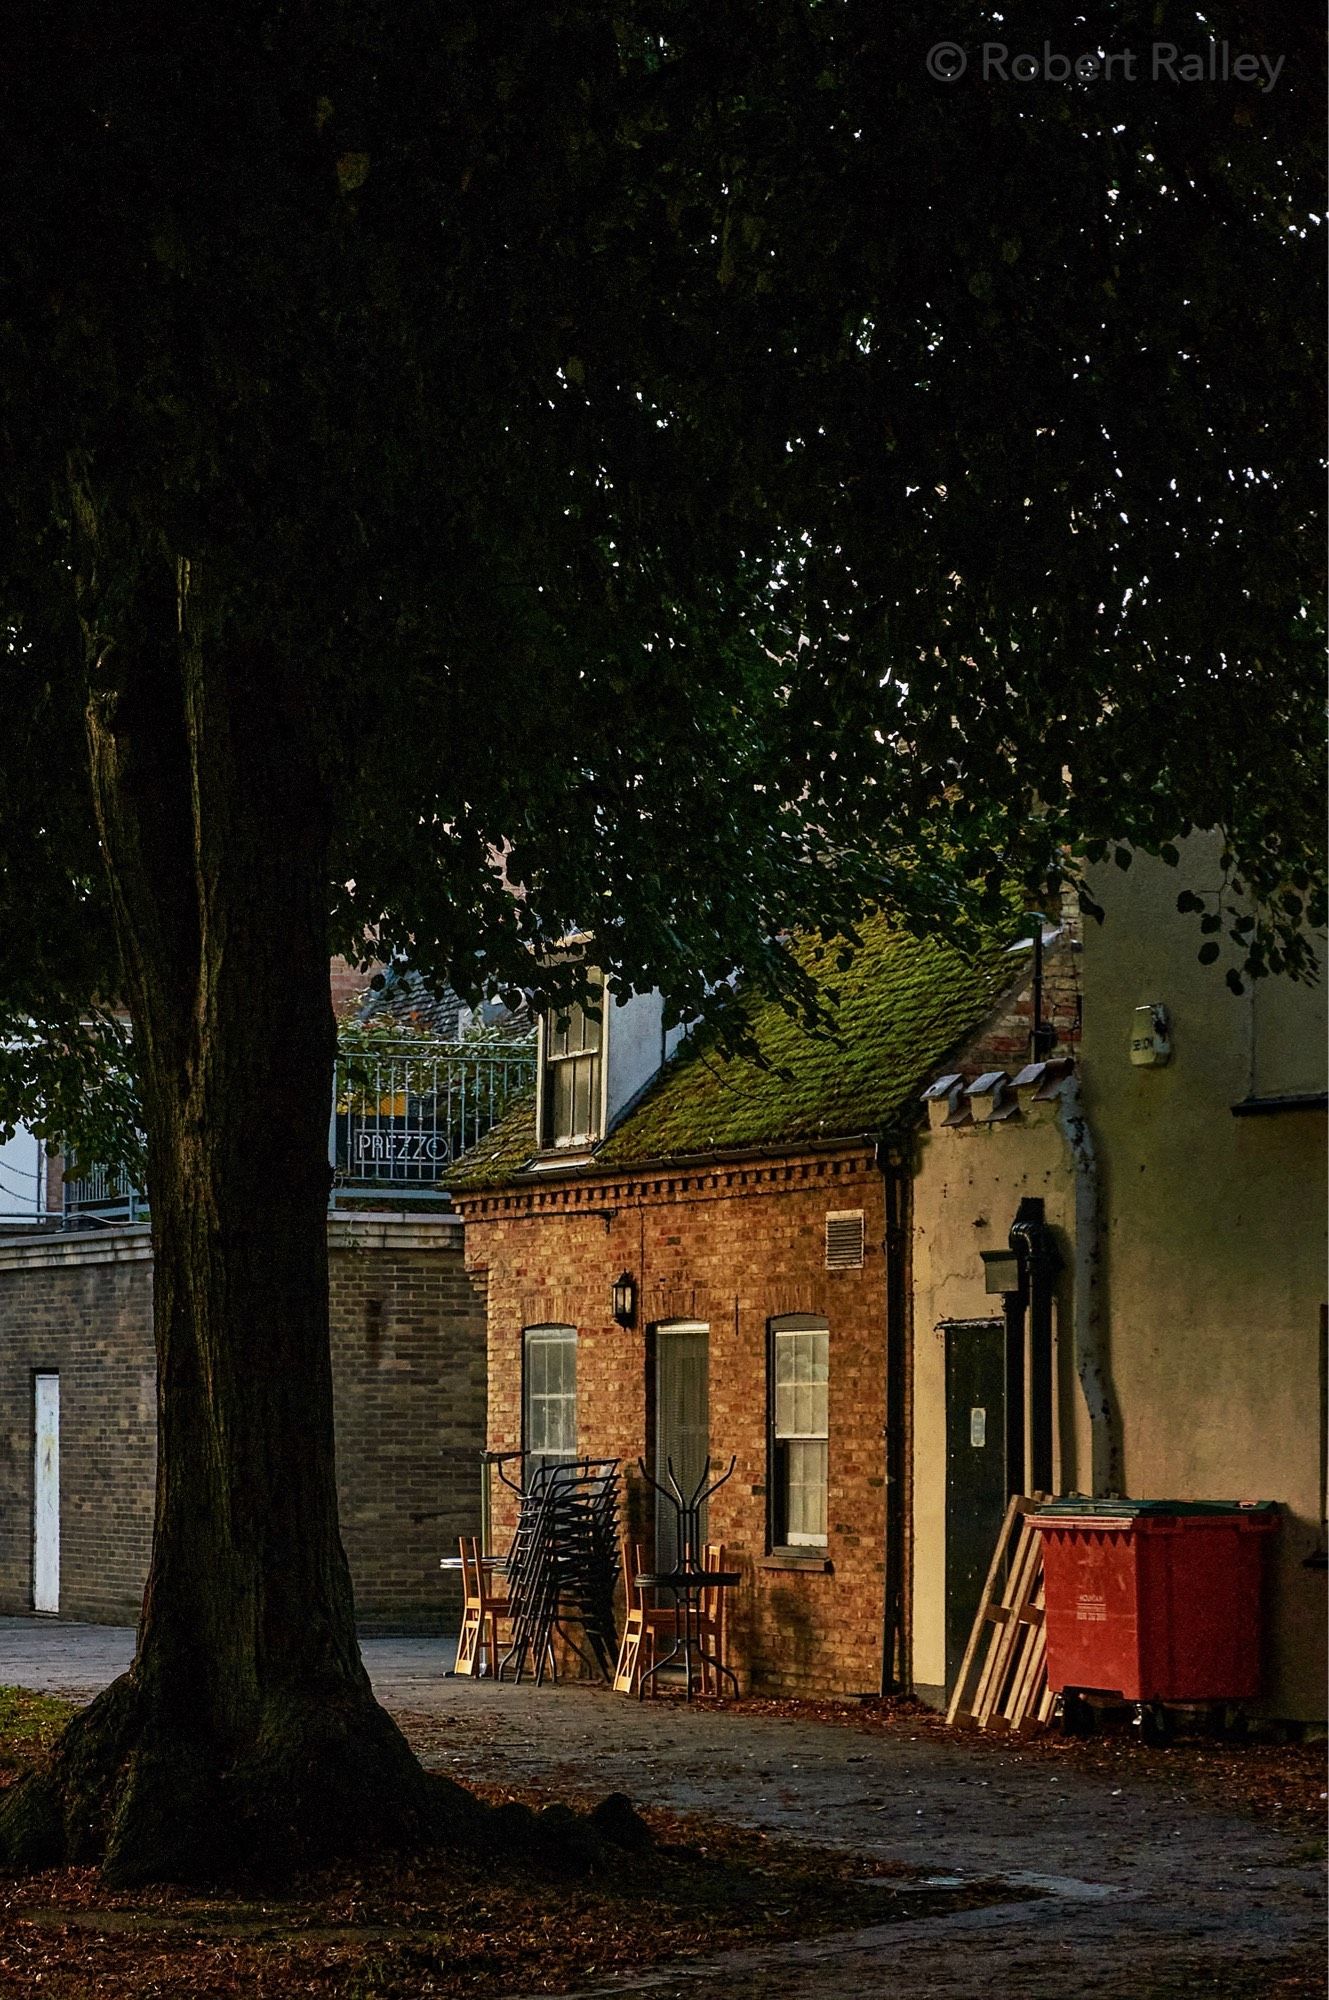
x=904 y=1005
x=405 y=1000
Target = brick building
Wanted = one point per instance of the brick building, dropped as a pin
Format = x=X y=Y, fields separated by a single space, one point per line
x=758 y=1212
x=76 y=1347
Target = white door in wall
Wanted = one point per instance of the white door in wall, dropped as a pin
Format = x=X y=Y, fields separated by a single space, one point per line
x=46 y=1494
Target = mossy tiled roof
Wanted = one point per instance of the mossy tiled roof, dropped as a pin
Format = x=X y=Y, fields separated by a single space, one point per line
x=904 y=1005
x=503 y=1150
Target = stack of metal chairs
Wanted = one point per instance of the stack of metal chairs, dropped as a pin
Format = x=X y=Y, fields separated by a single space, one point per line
x=562 y=1569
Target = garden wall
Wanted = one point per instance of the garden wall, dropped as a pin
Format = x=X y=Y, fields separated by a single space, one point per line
x=408 y=1347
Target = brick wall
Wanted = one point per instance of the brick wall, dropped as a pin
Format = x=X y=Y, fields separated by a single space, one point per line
x=409 y=1381
x=1002 y=1042
x=732 y=1246
x=55 y=1183
x=408 y=1359
x=81 y=1306
x=349 y=984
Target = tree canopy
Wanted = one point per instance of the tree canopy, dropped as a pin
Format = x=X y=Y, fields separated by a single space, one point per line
x=687 y=449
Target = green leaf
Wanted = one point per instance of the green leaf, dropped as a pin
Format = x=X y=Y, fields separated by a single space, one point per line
x=352 y=171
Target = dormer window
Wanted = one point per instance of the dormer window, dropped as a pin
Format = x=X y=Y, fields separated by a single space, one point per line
x=572 y=1040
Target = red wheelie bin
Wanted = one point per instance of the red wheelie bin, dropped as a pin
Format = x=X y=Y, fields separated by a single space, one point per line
x=1155 y=1600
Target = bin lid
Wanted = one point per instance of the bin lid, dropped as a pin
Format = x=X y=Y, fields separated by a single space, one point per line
x=1078 y=1506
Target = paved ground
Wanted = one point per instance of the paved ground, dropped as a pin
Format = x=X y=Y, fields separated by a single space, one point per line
x=79 y=1660
x=1151 y=1895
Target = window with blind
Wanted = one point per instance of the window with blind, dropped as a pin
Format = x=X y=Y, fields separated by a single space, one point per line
x=570 y=1083
x=549 y=1394
x=799 y=1378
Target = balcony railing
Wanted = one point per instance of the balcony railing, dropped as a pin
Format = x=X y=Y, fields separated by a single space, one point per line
x=403 y=1111
x=101 y=1198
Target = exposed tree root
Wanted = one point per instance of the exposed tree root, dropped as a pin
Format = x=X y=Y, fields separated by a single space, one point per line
x=314 y=1784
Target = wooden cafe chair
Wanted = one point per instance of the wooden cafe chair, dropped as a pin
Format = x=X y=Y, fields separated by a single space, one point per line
x=483 y=1609
x=713 y=1621
x=644 y=1626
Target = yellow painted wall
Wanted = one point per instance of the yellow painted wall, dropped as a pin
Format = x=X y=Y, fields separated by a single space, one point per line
x=1213 y=1270
x=969 y=1185
x=1215 y=1237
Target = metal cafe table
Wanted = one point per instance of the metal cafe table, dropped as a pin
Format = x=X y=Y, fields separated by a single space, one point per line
x=687 y=1587
x=689 y=1581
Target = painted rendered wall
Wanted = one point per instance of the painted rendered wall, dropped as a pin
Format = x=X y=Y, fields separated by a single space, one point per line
x=970 y=1182
x=1213 y=1271
x=638 y=1043
x=1215 y=1265
x=633 y=1050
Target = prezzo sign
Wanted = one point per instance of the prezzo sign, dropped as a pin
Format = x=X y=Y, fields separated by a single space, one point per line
x=401 y=1149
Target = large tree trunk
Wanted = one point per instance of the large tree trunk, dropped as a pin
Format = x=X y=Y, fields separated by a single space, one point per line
x=246 y=1731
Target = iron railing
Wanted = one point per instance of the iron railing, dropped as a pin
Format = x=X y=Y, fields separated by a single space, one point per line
x=403 y=1111
x=101 y=1196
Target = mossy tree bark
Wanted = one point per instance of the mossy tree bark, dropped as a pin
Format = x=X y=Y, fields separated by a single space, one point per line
x=246 y=1730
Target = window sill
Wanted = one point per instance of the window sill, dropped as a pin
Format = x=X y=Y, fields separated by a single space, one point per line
x=1293 y=1100
x=550 y=1158
x=797 y=1559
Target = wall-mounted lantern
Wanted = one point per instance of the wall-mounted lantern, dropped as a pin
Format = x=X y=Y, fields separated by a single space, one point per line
x=1001 y=1271
x=624 y=1297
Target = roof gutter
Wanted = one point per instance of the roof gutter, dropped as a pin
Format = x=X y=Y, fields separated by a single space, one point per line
x=605 y=1170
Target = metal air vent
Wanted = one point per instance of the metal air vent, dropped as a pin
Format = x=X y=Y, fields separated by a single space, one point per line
x=844 y=1240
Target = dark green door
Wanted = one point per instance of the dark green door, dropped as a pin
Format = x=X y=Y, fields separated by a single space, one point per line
x=976 y=1475
x=682 y=1425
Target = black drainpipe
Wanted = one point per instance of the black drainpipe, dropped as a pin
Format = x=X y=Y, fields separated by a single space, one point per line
x=895 y=1670
x=1040 y=1262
